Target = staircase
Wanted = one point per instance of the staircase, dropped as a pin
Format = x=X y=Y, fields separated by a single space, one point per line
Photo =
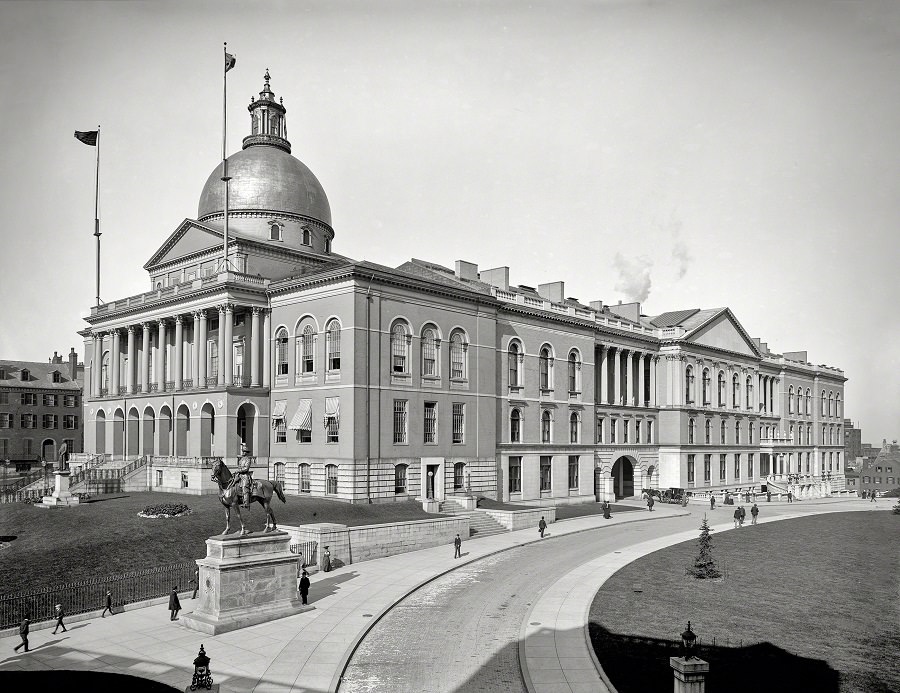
x=480 y=523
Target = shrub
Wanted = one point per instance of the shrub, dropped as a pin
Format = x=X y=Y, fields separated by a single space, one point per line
x=896 y=508
x=704 y=566
x=165 y=509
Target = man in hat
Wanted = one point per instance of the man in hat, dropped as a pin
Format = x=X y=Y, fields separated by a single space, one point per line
x=108 y=606
x=23 y=633
x=59 y=619
x=174 y=604
x=304 y=586
x=245 y=474
x=457 y=547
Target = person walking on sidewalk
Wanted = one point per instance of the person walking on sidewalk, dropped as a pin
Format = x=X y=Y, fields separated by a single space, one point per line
x=196 y=583
x=174 y=604
x=23 y=633
x=754 y=511
x=108 y=606
x=304 y=586
x=606 y=511
x=457 y=547
x=58 y=614
x=737 y=517
x=650 y=502
x=712 y=502
x=326 y=560
x=742 y=517
x=542 y=526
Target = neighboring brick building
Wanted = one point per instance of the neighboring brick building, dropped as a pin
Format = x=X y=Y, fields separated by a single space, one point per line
x=881 y=473
x=40 y=408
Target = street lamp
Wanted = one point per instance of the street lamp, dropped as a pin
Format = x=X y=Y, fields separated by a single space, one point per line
x=688 y=642
x=202 y=675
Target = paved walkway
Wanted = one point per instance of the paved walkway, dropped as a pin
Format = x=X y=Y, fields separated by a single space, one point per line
x=307 y=652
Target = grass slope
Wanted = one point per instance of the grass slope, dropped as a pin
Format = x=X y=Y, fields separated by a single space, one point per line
x=821 y=591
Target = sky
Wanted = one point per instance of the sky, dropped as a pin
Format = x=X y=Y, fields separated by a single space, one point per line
x=684 y=154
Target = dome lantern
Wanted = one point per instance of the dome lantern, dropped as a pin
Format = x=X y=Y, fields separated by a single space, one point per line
x=267 y=121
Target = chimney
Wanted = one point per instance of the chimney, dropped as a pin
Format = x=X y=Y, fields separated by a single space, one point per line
x=554 y=291
x=73 y=364
x=498 y=276
x=629 y=311
x=466 y=270
x=597 y=306
x=56 y=358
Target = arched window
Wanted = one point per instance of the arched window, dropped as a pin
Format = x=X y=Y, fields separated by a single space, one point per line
x=707 y=386
x=546 y=426
x=808 y=407
x=689 y=385
x=459 y=476
x=306 y=350
x=721 y=391
x=809 y=434
x=735 y=391
x=304 y=478
x=306 y=236
x=331 y=479
x=691 y=427
x=792 y=433
x=546 y=369
x=799 y=401
x=824 y=406
x=722 y=434
x=837 y=405
x=459 y=368
x=400 y=478
x=104 y=372
x=824 y=438
x=333 y=345
x=707 y=432
x=515 y=426
x=274 y=231
x=573 y=427
x=830 y=403
x=399 y=349
x=791 y=399
x=574 y=368
x=513 y=363
x=748 y=393
x=279 y=472
x=750 y=433
x=281 y=355
x=429 y=352
x=737 y=432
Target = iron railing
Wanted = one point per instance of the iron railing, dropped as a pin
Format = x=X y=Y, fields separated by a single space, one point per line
x=309 y=551
x=90 y=595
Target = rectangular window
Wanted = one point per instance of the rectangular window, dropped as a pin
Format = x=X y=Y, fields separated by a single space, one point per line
x=29 y=399
x=184 y=480
x=304 y=478
x=49 y=400
x=737 y=467
x=4 y=398
x=212 y=348
x=877 y=479
x=29 y=421
x=600 y=430
x=690 y=469
x=459 y=422
x=430 y=422
x=722 y=463
x=573 y=472
x=332 y=419
x=626 y=424
x=890 y=480
x=159 y=477
x=649 y=432
x=26 y=446
x=280 y=431
x=70 y=444
x=637 y=431
x=750 y=466
x=49 y=421
x=867 y=480
x=4 y=448
x=545 y=472
x=515 y=474
x=333 y=339
x=707 y=468
x=612 y=430
x=331 y=479
x=400 y=478
x=70 y=421
x=6 y=420
x=72 y=400
x=400 y=427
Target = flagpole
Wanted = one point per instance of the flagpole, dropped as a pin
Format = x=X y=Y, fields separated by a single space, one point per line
x=225 y=177
x=97 y=213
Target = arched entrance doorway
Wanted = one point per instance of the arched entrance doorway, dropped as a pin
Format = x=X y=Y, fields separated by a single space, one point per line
x=148 y=426
x=246 y=426
x=164 y=431
x=100 y=433
x=119 y=433
x=48 y=450
x=623 y=478
x=207 y=430
x=182 y=430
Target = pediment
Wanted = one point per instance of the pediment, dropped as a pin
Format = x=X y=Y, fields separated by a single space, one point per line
x=723 y=331
x=190 y=237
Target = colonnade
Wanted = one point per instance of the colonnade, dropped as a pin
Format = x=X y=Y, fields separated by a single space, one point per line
x=193 y=364
x=627 y=389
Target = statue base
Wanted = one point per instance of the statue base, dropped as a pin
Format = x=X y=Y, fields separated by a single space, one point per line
x=61 y=496
x=245 y=581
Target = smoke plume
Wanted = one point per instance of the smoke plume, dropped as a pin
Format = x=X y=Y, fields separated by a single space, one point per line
x=634 y=276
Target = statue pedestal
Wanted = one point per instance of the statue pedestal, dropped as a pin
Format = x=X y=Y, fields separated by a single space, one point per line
x=244 y=581
x=690 y=674
x=61 y=496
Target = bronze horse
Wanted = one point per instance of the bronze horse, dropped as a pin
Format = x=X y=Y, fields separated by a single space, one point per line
x=261 y=490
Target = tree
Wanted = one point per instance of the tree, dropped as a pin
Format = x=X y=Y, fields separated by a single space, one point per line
x=896 y=508
x=704 y=566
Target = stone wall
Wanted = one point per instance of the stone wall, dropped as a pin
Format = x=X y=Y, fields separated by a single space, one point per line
x=522 y=519
x=354 y=544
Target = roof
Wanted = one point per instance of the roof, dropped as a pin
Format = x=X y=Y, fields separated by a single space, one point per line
x=672 y=318
x=40 y=375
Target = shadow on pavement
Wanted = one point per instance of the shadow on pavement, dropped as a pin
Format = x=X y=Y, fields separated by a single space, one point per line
x=61 y=679
x=326 y=586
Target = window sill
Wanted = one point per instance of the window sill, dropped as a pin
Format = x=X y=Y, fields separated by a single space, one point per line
x=401 y=379
x=281 y=380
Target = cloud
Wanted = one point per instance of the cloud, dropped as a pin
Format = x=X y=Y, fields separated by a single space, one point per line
x=680 y=252
x=634 y=276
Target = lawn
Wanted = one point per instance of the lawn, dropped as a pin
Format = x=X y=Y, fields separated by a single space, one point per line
x=106 y=536
x=806 y=604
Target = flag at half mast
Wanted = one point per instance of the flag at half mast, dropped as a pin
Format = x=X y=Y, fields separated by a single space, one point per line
x=89 y=137
x=230 y=60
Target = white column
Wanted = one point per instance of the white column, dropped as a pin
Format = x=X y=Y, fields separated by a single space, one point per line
x=95 y=365
x=254 y=348
x=195 y=370
x=200 y=348
x=617 y=374
x=229 y=348
x=145 y=358
x=641 y=382
x=632 y=381
x=603 y=379
x=179 y=354
x=160 y=361
x=654 y=360
x=267 y=347
x=221 y=376
x=114 y=358
x=131 y=369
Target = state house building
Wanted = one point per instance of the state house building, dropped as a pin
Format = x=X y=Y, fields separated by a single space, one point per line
x=362 y=382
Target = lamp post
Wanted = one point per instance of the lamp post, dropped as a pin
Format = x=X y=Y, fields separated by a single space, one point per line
x=690 y=670
x=202 y=674
x=688 y=642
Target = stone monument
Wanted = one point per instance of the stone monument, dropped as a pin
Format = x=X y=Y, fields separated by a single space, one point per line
x=61 y=496
x=245 y=580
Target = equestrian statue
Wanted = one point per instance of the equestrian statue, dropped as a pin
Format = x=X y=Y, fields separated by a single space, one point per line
x=236 y=490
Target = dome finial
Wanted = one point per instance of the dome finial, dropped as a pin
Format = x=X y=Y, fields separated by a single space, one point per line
x=267 y=78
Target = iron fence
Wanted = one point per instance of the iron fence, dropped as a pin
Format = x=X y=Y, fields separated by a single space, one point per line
x=309 y=551
x=90 y=595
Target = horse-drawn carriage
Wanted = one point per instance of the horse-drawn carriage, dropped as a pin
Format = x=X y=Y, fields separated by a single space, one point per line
x=672 y=495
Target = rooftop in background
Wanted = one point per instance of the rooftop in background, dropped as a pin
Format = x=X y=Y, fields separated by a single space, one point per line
x=37 y=375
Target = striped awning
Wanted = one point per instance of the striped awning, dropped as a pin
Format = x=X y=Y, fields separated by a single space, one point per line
x=333 y=409
x=302 y=420
x=278 y=412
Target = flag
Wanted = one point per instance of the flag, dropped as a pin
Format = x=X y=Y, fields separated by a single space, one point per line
x=89 y=137
x=230 y=60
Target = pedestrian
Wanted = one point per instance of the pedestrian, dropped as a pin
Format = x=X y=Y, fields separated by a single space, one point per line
x=754 y=511
x=174 y=604
x=542 y=526
x=606 y=511
x=457 y=547
x=59 y=619
x=737 y=517
x=196 y=583
x=872 y=496
x=108 y=606
x=326 y=560
x=23 y=633
x=864 y=494
x=650 y=502
x=304 y=586
x=743 y=516
x=768 y=496
x=790 y=497
x=712 y=502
